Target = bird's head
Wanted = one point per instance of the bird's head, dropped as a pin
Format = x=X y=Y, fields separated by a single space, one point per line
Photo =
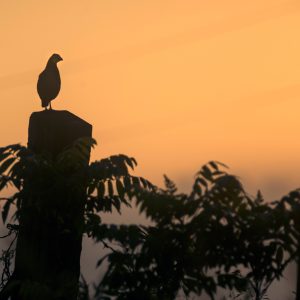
x=55 y=58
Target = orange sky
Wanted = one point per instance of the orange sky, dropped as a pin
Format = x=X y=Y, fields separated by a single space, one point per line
x=173 y=83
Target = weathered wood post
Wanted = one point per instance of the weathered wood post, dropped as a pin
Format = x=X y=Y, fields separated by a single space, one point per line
x=49 y=247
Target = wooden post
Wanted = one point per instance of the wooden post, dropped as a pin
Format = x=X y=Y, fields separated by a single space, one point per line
x=48 y=249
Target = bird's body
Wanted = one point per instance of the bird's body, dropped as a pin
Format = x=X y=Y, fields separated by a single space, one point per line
x=48 y=85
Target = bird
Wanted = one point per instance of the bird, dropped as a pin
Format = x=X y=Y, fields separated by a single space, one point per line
x=48 y=85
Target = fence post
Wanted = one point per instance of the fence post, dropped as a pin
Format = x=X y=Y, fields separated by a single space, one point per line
x=48 y=253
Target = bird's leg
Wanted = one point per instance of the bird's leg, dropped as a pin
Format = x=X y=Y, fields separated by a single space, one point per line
x=50 y=106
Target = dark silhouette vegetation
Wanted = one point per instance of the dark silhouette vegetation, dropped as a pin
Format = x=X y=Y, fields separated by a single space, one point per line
x=197 y=242
x=217 y=237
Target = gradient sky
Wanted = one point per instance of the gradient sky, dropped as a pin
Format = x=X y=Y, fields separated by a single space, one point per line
x=174 y=83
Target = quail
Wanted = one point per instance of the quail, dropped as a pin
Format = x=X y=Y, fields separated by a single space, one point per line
x=48 y=85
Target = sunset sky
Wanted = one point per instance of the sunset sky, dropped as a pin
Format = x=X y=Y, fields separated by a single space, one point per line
x=174 y=83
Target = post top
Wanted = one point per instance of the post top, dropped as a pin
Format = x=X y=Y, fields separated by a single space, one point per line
x=57 y=115
x=53 y=130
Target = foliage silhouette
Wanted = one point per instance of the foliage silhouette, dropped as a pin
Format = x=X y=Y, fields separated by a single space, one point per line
x=217 y=236
x=46 y=196
x=197 y=242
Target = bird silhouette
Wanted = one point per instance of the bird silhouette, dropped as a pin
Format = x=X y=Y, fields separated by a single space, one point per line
x=48 y=85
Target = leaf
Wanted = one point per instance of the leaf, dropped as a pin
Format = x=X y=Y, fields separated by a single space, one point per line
x=201 y=181
x=4 y=155
x=150 y=185
x=6 y=164
x=134 y=161
x=120 y=188
x=91 y=188
x=117 y=203
x=170 y=185
x=206 y=173
x=110 y=188
x=136 y=182
x=279 y=255
x=3 y=182
x=221 y=164
x=93 y=220
x=197 y=189
x=129 y=162
x=100 y=189
x=144 y=182
x=5 y=210
x=214 y=165
x=100 y=261
x=127 y=183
